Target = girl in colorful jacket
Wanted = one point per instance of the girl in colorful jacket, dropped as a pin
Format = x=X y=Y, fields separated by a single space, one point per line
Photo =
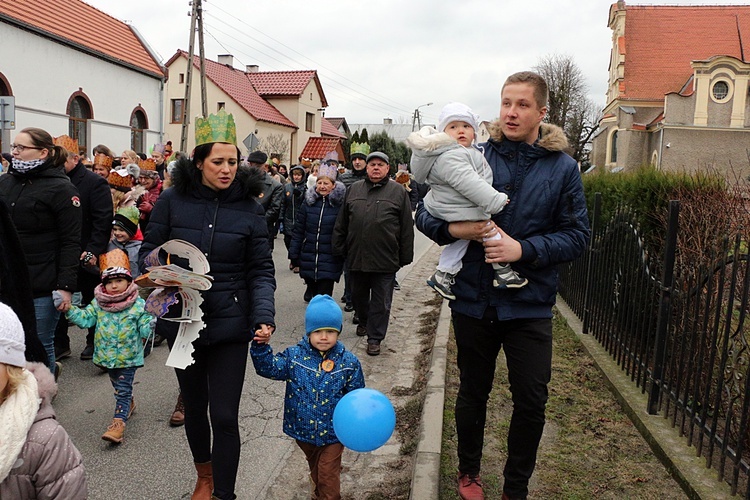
x=122 y=325
x=318 y=372
x=37 y=458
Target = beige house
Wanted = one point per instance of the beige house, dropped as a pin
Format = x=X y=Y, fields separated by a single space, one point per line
x=280 y=109
x=678 y=89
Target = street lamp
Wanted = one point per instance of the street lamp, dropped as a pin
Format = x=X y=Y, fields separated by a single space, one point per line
x=417 y=118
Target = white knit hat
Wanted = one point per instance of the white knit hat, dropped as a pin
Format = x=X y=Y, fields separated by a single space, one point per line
x=457 y=112
x=12 y=343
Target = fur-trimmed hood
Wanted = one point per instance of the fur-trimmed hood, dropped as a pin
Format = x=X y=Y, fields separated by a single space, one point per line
x=336 y=198
x=186 y=178
x=45 y=384
x=552 y=137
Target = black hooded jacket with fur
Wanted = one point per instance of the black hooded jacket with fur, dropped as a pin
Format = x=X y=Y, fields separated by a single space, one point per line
x=229 y=227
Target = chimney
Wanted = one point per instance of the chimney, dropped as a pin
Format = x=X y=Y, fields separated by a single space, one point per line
x=252 y=68
x=227 y=59
x=387 y=121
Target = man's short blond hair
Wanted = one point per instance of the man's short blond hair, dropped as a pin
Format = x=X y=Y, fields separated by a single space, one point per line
x=541 y=91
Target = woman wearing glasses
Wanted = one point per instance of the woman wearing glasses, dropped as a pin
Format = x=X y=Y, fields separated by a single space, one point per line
x=46 y=211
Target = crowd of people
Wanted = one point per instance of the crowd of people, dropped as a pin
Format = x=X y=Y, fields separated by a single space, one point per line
x=76 y=237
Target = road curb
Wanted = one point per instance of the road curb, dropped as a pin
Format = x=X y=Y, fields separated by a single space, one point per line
x=425 y=483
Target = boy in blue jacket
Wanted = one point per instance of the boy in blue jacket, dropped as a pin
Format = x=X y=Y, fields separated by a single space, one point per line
x=318 y=372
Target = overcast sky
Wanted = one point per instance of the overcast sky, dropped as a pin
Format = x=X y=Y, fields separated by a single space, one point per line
x=382 y=59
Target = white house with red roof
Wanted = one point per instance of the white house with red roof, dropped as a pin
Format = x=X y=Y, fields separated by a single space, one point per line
x=678 y=89
x=266 y=104
x=100 y=85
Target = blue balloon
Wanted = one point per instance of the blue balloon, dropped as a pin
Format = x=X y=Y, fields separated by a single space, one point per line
x=364 y=419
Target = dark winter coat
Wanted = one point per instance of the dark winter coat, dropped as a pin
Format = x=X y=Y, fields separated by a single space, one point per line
x=270 y=197
x=311 y=393
x=46 y=210
x=294 y=195
x=375 y=229
x=351 y=176
x=96 y=209
x=229 y=227
x=15 y=285
x=546 y=215
x=313 y=232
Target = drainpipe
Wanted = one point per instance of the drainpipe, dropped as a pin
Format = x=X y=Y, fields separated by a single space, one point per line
x=661 y=145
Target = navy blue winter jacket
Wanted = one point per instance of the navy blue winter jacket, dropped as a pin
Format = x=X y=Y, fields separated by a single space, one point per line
x=311 y=393
x=229 y=227
x=547 y=215
x=313 y=233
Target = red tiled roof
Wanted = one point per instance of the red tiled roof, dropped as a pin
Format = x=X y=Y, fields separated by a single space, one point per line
x=285 y=83
x=112 y=39
x=336 y=122
x=661 y=41
x=236 y=84
x=317 y=147
x=327 y=128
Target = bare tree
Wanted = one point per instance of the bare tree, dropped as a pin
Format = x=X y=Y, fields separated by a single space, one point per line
x=569 y=107
x=275 y=146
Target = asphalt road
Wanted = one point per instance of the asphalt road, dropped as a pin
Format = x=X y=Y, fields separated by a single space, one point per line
x=154 y=461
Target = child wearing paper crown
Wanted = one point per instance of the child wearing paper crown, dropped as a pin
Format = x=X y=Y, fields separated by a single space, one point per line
x=461 y=189
x=122 y=324
x=37 y=457
x=318 y=372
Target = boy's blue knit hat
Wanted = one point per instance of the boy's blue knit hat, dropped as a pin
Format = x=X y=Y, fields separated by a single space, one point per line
x=323 y=312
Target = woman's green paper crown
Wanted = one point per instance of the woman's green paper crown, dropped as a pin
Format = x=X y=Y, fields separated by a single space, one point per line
x=216 y=128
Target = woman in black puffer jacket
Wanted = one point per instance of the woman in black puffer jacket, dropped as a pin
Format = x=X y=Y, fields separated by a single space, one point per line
x=46 y=210
x=311 y=243
x=211 y=205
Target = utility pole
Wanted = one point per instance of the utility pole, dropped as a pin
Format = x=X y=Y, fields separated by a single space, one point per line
x=416 y=119
x=202 y=56
x=189 y=76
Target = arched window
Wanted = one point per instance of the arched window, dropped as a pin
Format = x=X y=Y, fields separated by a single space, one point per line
x=138 y=123
x=79 y=112
x=5 y=90
x=613 y=148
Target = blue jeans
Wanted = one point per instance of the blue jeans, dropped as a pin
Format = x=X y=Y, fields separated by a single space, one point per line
x=122 y=381
x=46 y=322
x=528 y=352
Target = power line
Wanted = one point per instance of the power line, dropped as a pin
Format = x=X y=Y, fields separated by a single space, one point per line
x=398 y=106
x=382 y=106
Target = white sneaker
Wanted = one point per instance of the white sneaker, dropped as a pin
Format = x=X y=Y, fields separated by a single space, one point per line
x=441 y=282
x=506 y=277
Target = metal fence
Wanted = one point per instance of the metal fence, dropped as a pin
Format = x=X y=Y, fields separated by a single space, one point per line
x=679 y=331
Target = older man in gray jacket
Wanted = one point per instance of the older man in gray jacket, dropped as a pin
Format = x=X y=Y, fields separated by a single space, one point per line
x=375 y=232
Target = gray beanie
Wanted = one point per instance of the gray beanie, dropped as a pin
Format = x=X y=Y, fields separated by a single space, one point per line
x=12 y=343
x=457 y=112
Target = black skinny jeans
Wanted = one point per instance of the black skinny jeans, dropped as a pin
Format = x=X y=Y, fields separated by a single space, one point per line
x=213 y=385
x=528 y=352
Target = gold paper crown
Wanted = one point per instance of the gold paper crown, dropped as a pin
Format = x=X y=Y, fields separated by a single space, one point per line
x=67 y=142
x=216 y=128
x=114 y=258
x=359 y=148
x=103 y=160
x=119 y=181
x=147 y=164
